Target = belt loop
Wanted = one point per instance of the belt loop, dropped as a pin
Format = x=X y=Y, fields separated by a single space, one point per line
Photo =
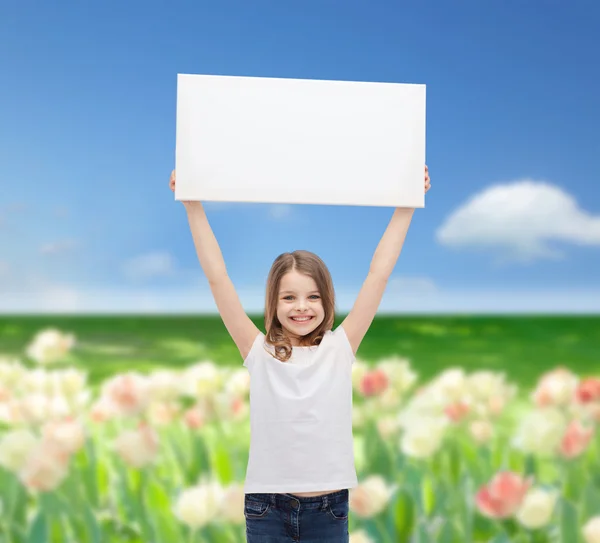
x=325 y=502
x=273 y=500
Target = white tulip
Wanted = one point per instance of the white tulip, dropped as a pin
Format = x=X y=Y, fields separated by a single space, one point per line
x=387 y=426
x=102 y=410
x=201 y=380
x=33 y=408
x=238 y=383
x=44 y=469
x=128 y=393
x=198 y=505
x=15 y=445
x=360 y=536
x=481 y=431
x=161 y=413
x=138 y=447
x=541 y=431
x=163 y=385
x=557 y=387
x=591 y=530
x=50 y=346
x=426 y=403
x=65 y=435
x=399 y=372
x=537 y=508
x=9 y=412
x=371 y=496
x=11 y=372
x=232 y=509
x=423 y=439
x=485 y=384
x=71 y=382
x=451 y=384
x=37 y=381
x=359 y=416
x=58 y=407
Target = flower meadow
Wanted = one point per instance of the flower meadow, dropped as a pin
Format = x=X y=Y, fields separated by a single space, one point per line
x=160 y=455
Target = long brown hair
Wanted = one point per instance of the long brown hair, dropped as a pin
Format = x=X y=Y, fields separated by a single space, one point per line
x=308 y=264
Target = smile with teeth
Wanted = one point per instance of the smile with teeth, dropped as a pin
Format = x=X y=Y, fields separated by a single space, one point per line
x=301 y=319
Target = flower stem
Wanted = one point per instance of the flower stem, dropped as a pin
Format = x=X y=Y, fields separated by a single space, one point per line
x=382 y=528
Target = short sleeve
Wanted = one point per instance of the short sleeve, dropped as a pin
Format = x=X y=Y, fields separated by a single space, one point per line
x=255 y=350
x=344 y=343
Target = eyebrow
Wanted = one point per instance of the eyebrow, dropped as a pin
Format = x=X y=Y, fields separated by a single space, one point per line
x=294 y=292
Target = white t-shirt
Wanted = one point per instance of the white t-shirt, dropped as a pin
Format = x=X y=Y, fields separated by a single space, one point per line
x=301 y=417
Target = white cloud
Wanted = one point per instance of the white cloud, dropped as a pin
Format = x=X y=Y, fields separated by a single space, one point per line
x=59 y=247
x=156 y=264
x=519 y=221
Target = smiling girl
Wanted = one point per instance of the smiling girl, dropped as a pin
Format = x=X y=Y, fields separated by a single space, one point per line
x=301 y=461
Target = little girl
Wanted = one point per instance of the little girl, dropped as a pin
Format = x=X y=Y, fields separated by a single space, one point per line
x=301 y=461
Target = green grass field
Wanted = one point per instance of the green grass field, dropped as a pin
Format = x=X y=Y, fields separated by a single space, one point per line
x=522 y=346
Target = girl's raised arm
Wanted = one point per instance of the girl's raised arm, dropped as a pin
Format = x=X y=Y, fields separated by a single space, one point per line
x=241 y=329
x=357 y=322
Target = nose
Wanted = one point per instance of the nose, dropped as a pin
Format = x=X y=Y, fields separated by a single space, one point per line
x=301 y=305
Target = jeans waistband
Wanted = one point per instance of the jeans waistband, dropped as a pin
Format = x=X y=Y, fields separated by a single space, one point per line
x=283 y=500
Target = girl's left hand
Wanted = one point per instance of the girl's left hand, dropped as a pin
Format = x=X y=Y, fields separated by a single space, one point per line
x=427 y=181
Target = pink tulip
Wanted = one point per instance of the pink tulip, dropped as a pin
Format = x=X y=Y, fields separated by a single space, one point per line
x=374 y=382
x=194 y=418
x=588 y=390
x=503 y=495
x=575 y=440
x=456 y=411
x=496 y=405
x=128 y=393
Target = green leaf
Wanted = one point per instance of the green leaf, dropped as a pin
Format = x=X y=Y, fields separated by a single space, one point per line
x=530 y=466
x=454 y=462
x=404 y=516
x=93 y=528
x=449 y=533
x=38 y=532
x=572 y=483
x=166 y=527
x=569 y=522
x=222 y=465
x=421 y=534
x=483 y=528
x=377 y=453
x=90 y=470
x=56 y=530
x=591 y=501
x=428 y=494
x=200 y=463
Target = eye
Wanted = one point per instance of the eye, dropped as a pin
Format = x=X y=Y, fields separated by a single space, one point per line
x=315 y=296
x=287 y=297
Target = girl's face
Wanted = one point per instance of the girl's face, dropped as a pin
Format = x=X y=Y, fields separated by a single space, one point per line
x=299 y=306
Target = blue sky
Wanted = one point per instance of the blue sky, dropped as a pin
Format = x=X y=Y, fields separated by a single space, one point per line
x=87 y=143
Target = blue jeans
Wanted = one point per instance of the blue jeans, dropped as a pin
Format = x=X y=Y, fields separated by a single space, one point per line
x=286 y=518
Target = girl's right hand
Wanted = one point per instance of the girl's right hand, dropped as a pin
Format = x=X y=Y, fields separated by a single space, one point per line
x=172 y=181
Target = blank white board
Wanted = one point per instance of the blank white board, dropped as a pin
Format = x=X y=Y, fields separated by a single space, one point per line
x=300 y=141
